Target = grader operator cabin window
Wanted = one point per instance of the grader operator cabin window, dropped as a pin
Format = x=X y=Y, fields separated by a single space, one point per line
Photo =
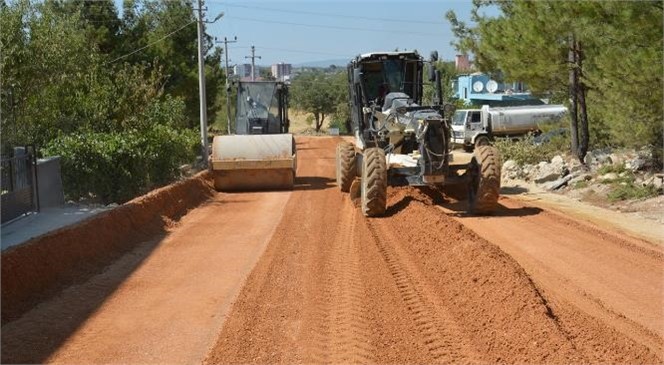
x=382 y=78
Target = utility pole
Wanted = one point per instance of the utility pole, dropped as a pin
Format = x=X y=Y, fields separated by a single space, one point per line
x=253 y=64
x=228 y=87
x=201 y=84
x=201 y=79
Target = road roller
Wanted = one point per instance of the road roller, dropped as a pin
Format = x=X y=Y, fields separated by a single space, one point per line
x=261 y=154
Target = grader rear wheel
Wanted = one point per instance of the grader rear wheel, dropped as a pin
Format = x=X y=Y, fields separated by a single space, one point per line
x=482 y=141
x=345 y=166
x=374 y=182
x=484 y=187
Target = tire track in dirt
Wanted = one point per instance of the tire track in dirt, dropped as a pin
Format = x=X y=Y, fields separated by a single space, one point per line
x=349 y=320
x=415 y=286
x=588 y=338
x=440 y=332
x=484 y=292
x=338 y=319
x=322 y=292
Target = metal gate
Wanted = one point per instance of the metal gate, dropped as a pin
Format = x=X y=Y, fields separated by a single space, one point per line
x=19 y=184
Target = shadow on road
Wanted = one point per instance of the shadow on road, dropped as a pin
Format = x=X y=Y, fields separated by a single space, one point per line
x=46 y=290
x=460 y=209
x=313 y=183
x=455 y=203
x=513 y=190
x=399 y=206
x=33 y=337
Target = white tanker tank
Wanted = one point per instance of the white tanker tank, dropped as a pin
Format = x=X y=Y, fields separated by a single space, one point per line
x=473 y=127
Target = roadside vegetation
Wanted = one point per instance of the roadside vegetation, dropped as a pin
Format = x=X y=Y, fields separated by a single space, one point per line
x=529 y=150
x=602 y=58
x=114 y=94
x=324 y=95
x=623 y=183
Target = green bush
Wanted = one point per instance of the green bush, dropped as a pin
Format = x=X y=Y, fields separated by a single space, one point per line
x=580 y=184
x=631 y=191
x=337 y=122
x=616 y=168
x=525 y=151
x=310 y=120
x=115 y=167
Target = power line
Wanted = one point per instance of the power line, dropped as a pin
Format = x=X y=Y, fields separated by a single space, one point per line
x=334 y=27
x=296 y=51
x=417 y=21
x=253 y=64
x=150 y=44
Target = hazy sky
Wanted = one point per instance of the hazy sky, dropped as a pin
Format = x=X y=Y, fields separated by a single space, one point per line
x=313 y=30
x=333 y=29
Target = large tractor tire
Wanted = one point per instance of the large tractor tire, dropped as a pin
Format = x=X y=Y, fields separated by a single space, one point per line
x=374 y=182
x=346 y=169
x=484 y=186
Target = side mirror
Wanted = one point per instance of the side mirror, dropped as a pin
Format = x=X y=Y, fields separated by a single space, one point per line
x=434 y=56
x=357 y=75
x=432 y=72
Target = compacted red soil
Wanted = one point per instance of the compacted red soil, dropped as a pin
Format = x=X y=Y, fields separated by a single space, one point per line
x=303 y=277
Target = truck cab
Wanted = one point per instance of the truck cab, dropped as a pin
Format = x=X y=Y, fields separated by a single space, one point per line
x=468 y=129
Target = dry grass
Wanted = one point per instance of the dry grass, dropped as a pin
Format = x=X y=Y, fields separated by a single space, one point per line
x=299 y=124
x=298 y=120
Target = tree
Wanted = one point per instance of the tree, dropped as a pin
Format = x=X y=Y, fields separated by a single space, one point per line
x=317 y=93
x=55 y=93
x=265 y=73
x=97 y=18
x=46 y=81
x=448 y=73
x=577 y=49
x=111 y=96
x=146 y=22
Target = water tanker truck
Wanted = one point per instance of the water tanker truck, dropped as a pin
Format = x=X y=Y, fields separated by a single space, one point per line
x=473 y=128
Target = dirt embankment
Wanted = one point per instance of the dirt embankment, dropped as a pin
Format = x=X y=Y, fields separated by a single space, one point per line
x=43 y=266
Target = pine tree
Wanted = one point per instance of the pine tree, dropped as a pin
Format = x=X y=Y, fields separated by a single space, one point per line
x=605 y=56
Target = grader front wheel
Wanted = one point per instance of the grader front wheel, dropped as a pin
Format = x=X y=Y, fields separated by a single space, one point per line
x=484 y=186
x=374 y=182
x=346 y=169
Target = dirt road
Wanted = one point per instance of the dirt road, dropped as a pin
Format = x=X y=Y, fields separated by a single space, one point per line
x=160 y=303
x=420 y=286
x=610 y=276
x=425 y=284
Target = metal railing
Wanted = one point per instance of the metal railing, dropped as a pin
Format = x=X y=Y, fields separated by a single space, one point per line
x=18 y=182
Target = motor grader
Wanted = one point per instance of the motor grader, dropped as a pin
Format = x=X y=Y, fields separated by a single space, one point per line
x=261 y=154
x=398 y=141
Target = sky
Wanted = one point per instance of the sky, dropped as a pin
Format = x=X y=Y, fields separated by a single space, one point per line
x=304 y=31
